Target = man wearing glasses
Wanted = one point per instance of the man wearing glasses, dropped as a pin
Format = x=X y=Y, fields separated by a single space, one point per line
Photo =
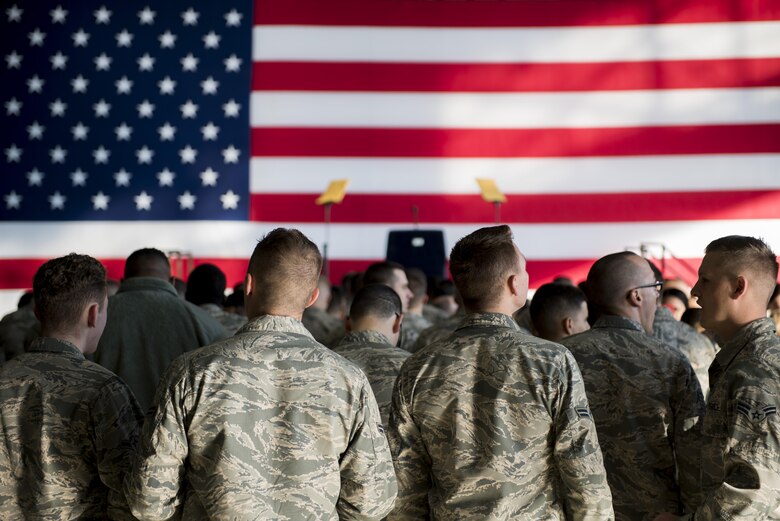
x=644 y=396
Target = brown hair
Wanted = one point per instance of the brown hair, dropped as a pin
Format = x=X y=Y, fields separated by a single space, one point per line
x=64 y=286
x=286 y=267
x=480 y=262
x=747 y=253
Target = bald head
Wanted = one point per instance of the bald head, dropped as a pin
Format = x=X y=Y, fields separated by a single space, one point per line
x=615 y=287
x=148 y=262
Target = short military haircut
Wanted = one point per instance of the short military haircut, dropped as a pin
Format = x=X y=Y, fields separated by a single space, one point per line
x=480 y=262
x=552 y=303
x=376 y=300
x=747 y=253
x=64 y=286
x=418 y=283
x=381 y=273
x=610 y=278
x=147 y=262
x=675 y=293
x=206 y=285
x=286 y=268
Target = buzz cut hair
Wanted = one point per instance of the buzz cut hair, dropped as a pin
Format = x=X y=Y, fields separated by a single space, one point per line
x=65 y=286
x=381 y=273
x=480 y=263
x=552 y=303
x=418 y=284
x=377 y=300
x=747 y=253
x=286 y=266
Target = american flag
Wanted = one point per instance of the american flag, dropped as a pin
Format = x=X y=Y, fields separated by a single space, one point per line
x=199 y=127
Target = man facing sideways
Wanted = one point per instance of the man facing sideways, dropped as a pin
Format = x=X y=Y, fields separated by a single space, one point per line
x=149 y=325
x=492 y=423
x=741 y=450
x=558 y=311
x=268 y=424
x=69 y=426
x=374 y=324
x=645 y=398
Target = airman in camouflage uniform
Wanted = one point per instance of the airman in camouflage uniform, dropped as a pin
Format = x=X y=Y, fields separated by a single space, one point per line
x=413 y=325
x=324 y=327
x=375 y=320
x=645 y=398
x=438 y=331
x=69 y=426
x=741 y=450
x=268 y=424
x=491 y=423
x=697 y=348
x=206 y=288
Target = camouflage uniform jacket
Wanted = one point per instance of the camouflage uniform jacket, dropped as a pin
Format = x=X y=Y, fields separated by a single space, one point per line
x=148 y=327
x=699 y=349
x=324 y=327
x=741 y=451
x=13 y=331
x=412 y=326
x=647 y=404
x=491 y=423
x=380 y=361
x=267 y=424
x=438 y=332
x=232 y=322
x=69 y=432
x=434 y=315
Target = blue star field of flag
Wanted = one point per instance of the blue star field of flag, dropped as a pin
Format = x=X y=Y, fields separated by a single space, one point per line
x=125 y=110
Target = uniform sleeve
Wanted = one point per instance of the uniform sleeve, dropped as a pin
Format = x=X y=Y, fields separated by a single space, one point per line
x=368 y=486
x=688 y=408
x=154 y=488
x=751 y=489
x=116 y=418
x=578 y=457
x=411 y=460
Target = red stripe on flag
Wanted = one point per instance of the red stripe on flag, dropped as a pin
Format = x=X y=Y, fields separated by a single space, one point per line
x=516 y=77
x=561 y=142
x=485 y=13
x=18 y=273
x=538 y=208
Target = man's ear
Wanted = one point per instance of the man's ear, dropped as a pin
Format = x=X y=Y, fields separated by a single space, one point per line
x=740 y=287
x=634 y=298
x=513 y=284
x=92 y=313
x=397 y=322
x=249 y=285
x=568 y=325
x=313 y=297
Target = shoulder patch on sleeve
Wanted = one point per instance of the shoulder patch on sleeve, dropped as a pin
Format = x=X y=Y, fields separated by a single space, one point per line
x=583 y=412
x=755 y=414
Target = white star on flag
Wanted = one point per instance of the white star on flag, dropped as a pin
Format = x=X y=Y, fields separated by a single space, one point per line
x=122 y=178
x=80 y=38
x=146 y=16
x=166 y=177
x=102 y=15
x=101 y=155
x=210 y=131
x=167 y=132
x=145 y=63
x=35 y=177
x=143 y=201
x=79 y=131
x=211 y=40
x=209 y=177
x=14 y=13
x=78 y=177
x=188 y=154
x=101 y=109
x=230 y=154
x=13 y=60
x=123 y=132
x=190 y=17
x=233 y=18
x=57 y=201
x=13 y=154
x=167 y=40
x=13 y=200
x=187 y=201
x=100 y=201
x=79 y=84
x=144 y=155
x=58 y=154
x=35 y=131
x=229 y=200
x=124 y=39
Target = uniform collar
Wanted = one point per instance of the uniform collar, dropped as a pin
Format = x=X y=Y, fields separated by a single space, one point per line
x=489 y=319
x=146 y=284
x=276 y=323
x=745 y=336
x=618 y=322
x=55 y=345
x=365 y=337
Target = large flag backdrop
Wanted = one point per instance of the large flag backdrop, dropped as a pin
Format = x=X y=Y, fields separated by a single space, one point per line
x=198 y=127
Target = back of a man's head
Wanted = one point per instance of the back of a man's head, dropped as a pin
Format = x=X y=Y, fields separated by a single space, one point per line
x=206 y=285
x=285 y=267
x=148 y=262
x=610 y=278
x=552 y=305
x=381 y=273
x=64 y=286
x=480 y=263
x=375 y=300
x=740 y=254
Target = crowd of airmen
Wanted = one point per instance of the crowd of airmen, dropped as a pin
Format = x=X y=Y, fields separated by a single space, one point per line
x=638 y=417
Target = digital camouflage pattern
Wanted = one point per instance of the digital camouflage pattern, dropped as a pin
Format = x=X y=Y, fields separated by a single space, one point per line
x=433 y=314
x=492 y=423
x=647 y=405
x=232 y=322
x=324 y=327
x=69 y=429
x=741 y=450
x=699 y=349
x=267 y=424
x=411 y=328
x=381 y=362
x=438 y=332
